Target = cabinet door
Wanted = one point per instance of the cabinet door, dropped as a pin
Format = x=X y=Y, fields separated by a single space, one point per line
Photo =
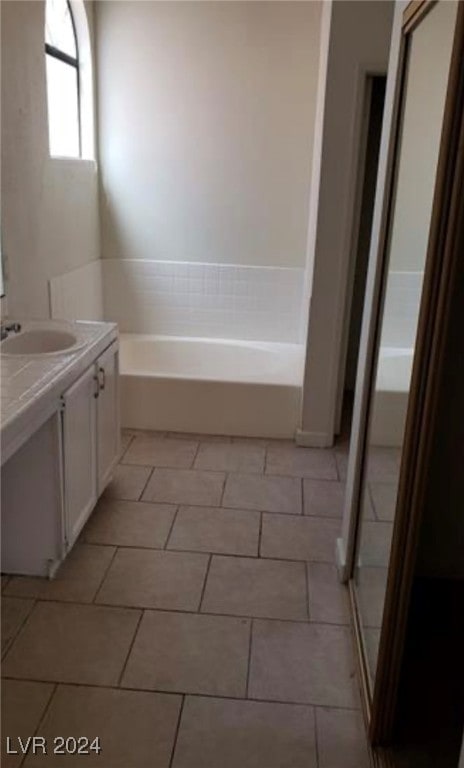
x=108 y=431
x=79 y=449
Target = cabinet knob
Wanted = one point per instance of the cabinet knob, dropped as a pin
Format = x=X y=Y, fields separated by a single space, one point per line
x=102 y=373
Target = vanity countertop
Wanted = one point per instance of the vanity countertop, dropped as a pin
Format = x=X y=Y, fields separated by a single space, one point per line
x=32 y=385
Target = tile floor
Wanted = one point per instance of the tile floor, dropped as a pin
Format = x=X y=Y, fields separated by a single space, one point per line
x=198 y=621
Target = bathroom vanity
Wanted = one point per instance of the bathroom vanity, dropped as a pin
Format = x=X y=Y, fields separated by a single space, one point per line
x=60 y=437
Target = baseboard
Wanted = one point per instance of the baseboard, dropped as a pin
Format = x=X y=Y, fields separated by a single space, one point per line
x=313 y=439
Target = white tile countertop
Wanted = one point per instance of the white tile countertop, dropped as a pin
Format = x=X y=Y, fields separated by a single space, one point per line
x=31 y=385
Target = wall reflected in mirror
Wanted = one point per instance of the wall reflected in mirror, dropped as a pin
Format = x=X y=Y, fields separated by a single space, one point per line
x=427 y=71
x=2 y=277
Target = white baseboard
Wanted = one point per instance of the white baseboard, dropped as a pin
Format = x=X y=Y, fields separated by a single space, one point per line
x=313 y=439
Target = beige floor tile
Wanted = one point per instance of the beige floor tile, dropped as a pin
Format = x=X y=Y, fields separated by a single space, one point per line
x=245 y=734
x=263 y=493
x=190 y=653
x=197 y=436
x=14 y=612
x=128 y=482
x=23 y=704
x=136 y=729
x=290 y=459
x=341 y=460
x=77 y=579
x=212 y=529
x=230 y=457
x=149 y=578
x=161 y=452
x=375 y=545
x=367 y=508
x=372 y=642
x=384 y=497
x=130 y=524
x=185 y=486
x=125 y=442
x=382 y=464
x=341 y=739
x=303 y=663
x=70 y=643
x=328 y=598
x=253 y=587
x=259 y=441
x=371 y=586
x=323 y=498
x=134 y=432
x=299 y=538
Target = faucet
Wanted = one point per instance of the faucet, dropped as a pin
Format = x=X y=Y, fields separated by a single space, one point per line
x=7 y=328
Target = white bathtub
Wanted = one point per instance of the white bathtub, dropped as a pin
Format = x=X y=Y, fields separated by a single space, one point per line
x=391 y=396
x=210 y=386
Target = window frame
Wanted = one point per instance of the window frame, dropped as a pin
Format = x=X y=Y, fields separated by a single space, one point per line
x=57 y=53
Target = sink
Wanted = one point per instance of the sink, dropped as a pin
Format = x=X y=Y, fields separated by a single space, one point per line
x=41 y=341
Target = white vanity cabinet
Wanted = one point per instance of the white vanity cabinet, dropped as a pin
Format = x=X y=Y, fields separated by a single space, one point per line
x=108 y=427
x=59 y=455
x=90 y=424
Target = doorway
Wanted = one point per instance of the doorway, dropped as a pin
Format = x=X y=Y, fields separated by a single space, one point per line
x=374 y=99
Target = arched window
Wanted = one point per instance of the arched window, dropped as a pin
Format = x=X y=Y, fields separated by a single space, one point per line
x=62 y=59
x=69 y=79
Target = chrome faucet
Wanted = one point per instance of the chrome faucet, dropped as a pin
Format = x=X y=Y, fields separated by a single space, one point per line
x=7 y=328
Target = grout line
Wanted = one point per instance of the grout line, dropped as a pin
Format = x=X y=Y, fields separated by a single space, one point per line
x=197 y=451
x=131 y=440
x=116 y=548
x=211 y=614
x=5 y=651
x=230 y=509
x=174 y=518
x=145 y=486
x=249 y=660
x=224 y=483
x=142 y=613
x=176 y=734
x=166 y=692
x=371 y=500
x=316 y=740
x=42 y=718
x=204 y=585
x=260 y=533
x=307 y=590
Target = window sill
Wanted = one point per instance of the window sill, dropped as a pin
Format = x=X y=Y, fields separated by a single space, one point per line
x=83 y=162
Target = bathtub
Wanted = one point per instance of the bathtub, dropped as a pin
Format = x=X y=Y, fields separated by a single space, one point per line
x=392 y=385
x=210 y=386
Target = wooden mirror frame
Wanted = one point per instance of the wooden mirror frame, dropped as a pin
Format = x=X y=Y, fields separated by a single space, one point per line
x=444 y=249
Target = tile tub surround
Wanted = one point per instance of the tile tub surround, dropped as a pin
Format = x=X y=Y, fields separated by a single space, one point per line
x=184 y=298
x=204 y=300
x=176 y=620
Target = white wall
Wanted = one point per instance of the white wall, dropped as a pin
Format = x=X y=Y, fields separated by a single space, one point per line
x=49 y=207
x=359 y=44
x=206 y=116
x=425 y=101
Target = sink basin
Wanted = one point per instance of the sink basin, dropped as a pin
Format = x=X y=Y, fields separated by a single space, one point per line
x=42 y=341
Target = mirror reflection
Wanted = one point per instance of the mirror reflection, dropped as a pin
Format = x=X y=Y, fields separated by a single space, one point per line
x=417 y=158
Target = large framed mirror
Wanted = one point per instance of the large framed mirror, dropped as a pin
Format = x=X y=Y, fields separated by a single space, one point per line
x=409 y=267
